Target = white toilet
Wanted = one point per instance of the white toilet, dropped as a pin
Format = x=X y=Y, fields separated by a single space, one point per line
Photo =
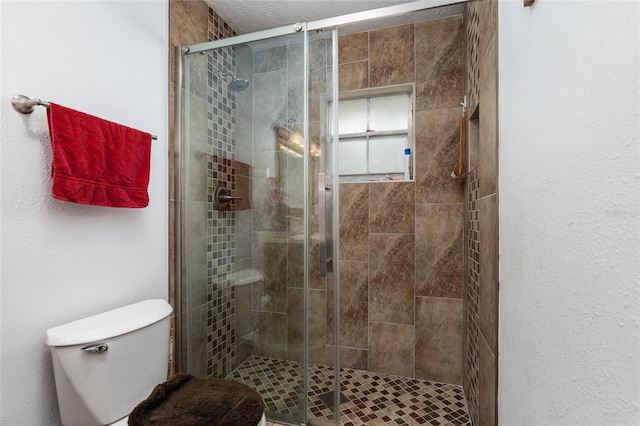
x=107 y=364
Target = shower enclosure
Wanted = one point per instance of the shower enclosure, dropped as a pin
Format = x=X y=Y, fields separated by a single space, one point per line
x=260 y=130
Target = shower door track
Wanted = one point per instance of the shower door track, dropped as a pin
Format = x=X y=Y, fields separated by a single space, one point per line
x=321 y=24
x=383 y=12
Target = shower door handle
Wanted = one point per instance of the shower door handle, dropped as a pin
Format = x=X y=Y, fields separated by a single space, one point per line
x=325 y=239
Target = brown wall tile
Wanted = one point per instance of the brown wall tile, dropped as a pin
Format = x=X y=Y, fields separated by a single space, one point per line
x=242 y=295
x=353 y=76
x=472 y=63
x=329 y=335
x=243 y=190
x=488 y=372
x=391 y=282
x=317 y=300
x=188 y=25
x=439 y=260
x=355 y=358
x=488 y=11
x=270 y=293
x=197 y=245
x=242 y=169
x=353 y=48
x=198 y=154
x=354 y=312
x=391 y=56
x=439 y=63
x=270 y=337
x=473 y=141
x=295 y=324
x=439 y=339
x=488 y=168
x=488 y=300
x=392 y=218
x=243 y=351
x=295 y=265
x=392 y=207
x=481 y=270
x=437 y=151
x=354 y=221
x=198 y=359
x=318 y=55
x=391 y=349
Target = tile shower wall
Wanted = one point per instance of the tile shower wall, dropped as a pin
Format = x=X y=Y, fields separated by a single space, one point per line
x=232 y=148
x=436 y=201
x=480 y=232
x=278 y=194
x=188 y=24
x=401 y=242
x=221 y=225
x=320 y=292
x=212 y=244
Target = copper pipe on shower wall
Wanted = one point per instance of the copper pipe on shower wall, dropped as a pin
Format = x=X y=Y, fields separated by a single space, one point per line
x=459 y=170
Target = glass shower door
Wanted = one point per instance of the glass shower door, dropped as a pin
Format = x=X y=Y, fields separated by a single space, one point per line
x=243 y=217
x=323 y=322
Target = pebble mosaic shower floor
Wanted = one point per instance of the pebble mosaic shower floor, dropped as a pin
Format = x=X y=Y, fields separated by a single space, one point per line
x=374 y=399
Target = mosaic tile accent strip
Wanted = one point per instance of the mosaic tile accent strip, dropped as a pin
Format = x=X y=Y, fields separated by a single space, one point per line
x=473 y=292
x=374 y=399
x=472 y=19
x=218 y=28
x=221 y=235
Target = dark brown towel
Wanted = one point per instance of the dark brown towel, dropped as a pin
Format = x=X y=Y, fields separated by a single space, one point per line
x=186 y=400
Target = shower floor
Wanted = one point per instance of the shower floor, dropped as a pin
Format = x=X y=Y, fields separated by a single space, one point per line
x=374 y=399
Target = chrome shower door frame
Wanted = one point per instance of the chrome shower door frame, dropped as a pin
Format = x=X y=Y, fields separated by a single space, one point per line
x=337 y=26
x=181 y=159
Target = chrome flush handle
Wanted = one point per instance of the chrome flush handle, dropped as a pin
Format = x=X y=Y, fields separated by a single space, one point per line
x=97 y=348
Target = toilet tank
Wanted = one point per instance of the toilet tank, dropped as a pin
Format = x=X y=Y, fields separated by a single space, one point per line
x=106 y=364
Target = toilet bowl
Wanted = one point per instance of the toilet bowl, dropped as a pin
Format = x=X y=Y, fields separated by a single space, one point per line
x=106 y=364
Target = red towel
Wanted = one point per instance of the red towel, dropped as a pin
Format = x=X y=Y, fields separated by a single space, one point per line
x=96 y=161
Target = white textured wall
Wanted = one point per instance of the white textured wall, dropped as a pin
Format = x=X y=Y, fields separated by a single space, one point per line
x=569 y=213
x=62 y=261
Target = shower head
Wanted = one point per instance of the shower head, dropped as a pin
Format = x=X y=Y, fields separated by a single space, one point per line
x=237 y=84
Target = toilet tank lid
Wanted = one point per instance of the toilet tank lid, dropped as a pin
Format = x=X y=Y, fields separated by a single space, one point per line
x=109 y=324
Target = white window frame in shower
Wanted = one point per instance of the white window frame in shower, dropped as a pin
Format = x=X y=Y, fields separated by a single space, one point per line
x=405 y=131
